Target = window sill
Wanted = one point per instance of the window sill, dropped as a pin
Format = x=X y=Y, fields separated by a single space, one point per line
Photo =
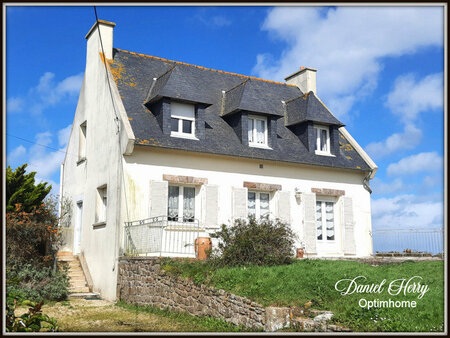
x=81 y=160
x=186 y=136
x=324 y=154
x=261 y=146
x=99 y=225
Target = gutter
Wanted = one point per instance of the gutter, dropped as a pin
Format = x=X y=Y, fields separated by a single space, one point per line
x=373 y=167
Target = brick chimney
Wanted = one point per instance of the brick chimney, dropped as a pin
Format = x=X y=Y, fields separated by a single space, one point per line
x=93 y=40
x=305 y=79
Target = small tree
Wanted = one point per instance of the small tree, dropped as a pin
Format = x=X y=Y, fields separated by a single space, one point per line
x=21 y=189
x=254 y=242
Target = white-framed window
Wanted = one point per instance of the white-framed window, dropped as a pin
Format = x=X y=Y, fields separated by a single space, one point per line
x=82 y=141
x=322 y=136
x=258 y=203
x=325 y=221
x=257 y=131
x=181 y=203
x=182 y=119
x=102 y=204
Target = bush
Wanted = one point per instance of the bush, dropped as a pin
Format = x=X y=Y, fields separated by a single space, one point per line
x=254 y=242
x=32 y=237
x=37 y=283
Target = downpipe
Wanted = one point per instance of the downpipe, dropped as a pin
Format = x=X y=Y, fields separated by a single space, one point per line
x=366 y=181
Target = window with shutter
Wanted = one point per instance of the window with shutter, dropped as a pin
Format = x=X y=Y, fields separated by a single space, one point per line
x=181 y=204
x=258 y=204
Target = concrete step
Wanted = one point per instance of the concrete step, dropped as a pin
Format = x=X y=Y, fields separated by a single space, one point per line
x=66 y=258
x=76 y=270
x=81 y=282
x=79 y=290
x=64 y=253
x=85 y=295
x=76 y=273
x=79 y=279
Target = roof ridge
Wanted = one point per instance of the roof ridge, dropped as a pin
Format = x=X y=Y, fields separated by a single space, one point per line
x=205 y=68
x=167 y=71
x=238 y=85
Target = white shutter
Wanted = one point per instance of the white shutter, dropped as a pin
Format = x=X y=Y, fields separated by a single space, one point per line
x=309 y=212
x=159 y=191
x=349 y=226
x=240 y=203
x=211 y=205
x=284 y=206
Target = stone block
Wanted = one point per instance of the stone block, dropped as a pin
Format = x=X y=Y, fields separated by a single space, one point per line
x=277 y=318
x=304 y=324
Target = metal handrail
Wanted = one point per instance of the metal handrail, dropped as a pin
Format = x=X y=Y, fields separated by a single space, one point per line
x=159 y=235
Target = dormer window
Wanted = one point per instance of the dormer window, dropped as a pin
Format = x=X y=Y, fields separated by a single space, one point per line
x=322 y=136
x=182 y=120
x=257 y=131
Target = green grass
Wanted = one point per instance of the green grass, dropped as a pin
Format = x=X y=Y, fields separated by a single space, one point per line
x=190 y=323
x=314 y=280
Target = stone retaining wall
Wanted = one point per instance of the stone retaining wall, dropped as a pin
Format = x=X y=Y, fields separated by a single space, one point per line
x=142 y=282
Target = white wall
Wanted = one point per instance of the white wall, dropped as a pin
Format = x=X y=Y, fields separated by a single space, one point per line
x=102 y=166
x=147 y=164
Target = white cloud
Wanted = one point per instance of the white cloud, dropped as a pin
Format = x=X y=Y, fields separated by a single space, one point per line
x=70 y=85
x=220 y=21
x=410 y=138
x=406 y=211
x=48 y=92
x=45 y=161
x=16 y=155
x=14 y=105
x=211 y=21
x=380 y=187
x=410 y=97
x=430 y=182
x=346 y=44
x=63 y=135
x=430 y=161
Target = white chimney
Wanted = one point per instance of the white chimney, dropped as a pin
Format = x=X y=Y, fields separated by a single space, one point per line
x=305 y=79
x=93 y=39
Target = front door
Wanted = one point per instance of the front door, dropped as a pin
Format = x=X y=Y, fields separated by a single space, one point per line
x=77 y=230
x=327 y=226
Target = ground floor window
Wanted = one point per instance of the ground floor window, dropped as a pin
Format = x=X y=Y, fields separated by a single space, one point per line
x=181 y=205
x=325 y=220
x=258 y=203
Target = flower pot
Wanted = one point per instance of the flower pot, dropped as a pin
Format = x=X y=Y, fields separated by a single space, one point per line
x=300 y=252
x=202 y=246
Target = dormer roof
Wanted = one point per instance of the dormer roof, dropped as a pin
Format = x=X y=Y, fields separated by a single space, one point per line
x=308 y=108
x=253 y=96
x=134 y=76
x=174 y=83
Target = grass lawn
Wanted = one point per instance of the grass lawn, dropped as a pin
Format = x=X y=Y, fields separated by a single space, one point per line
x=79 y=315
x=314 y=280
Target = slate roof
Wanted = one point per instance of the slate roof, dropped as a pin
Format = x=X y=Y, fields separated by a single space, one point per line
x=134 y=74
x=308 y=108
x=173 y=83
x=252 y=95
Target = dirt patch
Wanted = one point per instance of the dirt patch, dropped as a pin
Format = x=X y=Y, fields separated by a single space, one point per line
x=80 y=315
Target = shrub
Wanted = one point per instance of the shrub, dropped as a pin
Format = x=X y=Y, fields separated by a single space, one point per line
x=254 y=242
x=37 y=283
x=32 y=237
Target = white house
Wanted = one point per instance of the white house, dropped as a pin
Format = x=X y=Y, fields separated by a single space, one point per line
x=162 y=152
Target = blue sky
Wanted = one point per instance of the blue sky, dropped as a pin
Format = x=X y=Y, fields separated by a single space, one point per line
x=380 y=71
